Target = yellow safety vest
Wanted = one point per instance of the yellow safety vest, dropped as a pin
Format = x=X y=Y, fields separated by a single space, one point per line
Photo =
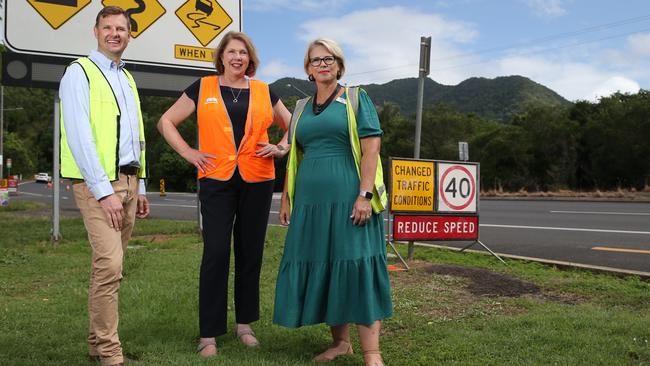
x=379 y=198
x=104 y=124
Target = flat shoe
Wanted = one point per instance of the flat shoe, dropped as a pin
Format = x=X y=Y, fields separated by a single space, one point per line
x=248 y=332
x=203 y=345
x=331 y=353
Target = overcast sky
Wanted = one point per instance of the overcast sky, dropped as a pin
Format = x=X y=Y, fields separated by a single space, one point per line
x=582 y=49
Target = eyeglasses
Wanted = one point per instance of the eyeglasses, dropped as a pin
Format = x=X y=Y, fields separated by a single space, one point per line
x=328 y=60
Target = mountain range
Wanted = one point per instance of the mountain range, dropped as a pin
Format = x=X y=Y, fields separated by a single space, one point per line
x=497 y=99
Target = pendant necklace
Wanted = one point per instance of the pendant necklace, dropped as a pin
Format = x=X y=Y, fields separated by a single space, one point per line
x=235 y=98
x=318 y=108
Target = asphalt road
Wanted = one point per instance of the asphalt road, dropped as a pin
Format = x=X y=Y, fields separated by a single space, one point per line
x=610 y=234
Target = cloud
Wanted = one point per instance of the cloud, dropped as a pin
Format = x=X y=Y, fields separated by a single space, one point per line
x=614 y=84
x=546 y=8
x=639 y=44
x=280 y=5
x=383 y=44
x=573 y=80
x=276 y=69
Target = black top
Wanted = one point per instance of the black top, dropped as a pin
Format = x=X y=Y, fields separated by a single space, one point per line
x=236 y=111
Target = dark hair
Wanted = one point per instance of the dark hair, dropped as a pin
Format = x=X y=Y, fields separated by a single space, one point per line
x=253 y=60
x=113 y=10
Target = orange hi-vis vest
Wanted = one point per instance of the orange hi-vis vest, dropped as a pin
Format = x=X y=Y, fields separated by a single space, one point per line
x=216 y=135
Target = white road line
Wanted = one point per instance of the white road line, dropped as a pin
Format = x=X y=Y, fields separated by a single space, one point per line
x=170 y=205
x=33 y=194
x=173 y=200
x=603 y=213
x=568 y=229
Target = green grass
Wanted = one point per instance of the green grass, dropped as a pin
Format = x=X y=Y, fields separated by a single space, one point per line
x=16 y=205
x=578 y=318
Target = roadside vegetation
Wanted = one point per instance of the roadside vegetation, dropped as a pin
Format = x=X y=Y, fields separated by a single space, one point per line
x=450 y=309
x=532 y=146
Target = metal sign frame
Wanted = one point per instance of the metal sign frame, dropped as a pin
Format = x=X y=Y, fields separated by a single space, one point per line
x=435 y=212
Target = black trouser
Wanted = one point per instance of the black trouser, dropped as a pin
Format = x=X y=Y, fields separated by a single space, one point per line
x=246 y=205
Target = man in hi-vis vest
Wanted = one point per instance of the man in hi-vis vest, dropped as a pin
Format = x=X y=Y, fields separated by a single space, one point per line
x=102 y=150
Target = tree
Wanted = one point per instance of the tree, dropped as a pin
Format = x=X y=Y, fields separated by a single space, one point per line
x=20 y=154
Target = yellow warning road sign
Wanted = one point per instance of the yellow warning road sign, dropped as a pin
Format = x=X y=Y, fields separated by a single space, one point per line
x=143 y=13
x=205 y=19
x=412 y=186
x=57 y=12
x=193 y=53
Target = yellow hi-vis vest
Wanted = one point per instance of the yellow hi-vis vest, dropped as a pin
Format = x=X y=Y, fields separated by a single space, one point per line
x=104 y=116
x=379 y=198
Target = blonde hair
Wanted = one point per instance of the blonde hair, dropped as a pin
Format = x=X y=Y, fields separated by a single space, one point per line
x=330 y=46
x=253 y=60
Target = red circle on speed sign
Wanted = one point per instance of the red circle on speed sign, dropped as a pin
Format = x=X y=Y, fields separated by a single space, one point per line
x=444 y=187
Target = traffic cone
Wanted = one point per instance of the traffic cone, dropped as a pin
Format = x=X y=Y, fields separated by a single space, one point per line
x=49 y=185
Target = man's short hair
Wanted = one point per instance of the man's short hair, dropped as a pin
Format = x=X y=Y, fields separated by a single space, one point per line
x=113 y=10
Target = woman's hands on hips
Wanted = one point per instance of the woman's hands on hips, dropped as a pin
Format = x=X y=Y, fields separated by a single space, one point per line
x=361 y=211
x=199 y=159
x=284 y=215
x=267 y=150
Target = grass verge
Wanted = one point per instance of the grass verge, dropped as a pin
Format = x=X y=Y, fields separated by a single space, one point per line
x=451 y=309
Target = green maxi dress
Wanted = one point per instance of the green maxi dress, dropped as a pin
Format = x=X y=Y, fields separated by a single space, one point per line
x=332 y=271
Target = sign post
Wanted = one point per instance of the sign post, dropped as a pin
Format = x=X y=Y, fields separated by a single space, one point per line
x=434 y=200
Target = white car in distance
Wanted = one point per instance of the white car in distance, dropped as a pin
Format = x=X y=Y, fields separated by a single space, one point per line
x=42 y=178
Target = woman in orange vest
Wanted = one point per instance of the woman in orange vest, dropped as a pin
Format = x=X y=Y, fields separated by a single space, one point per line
x=236 y=174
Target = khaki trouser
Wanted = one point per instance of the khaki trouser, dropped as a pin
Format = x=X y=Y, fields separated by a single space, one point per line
x=108 y=246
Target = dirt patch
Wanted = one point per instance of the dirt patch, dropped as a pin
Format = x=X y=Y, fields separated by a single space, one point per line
x=486 y=283
x=443 y=293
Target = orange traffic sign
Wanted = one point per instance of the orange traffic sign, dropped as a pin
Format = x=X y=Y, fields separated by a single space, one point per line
x=57 y=12
x=143 y=13
x=412 y=185
x=205 y=19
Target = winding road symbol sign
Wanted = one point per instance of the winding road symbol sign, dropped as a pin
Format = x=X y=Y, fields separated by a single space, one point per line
x=457 y=185
x=57 y=12
x=205 y=19
x=143 y=13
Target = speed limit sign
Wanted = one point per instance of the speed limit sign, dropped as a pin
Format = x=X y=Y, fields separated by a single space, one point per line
x=457 y=187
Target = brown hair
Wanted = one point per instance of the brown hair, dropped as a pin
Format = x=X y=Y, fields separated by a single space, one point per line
x=253 y=60
x=113 y=10
x=333 y=48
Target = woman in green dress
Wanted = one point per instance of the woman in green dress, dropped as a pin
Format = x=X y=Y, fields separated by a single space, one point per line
x=333 y=270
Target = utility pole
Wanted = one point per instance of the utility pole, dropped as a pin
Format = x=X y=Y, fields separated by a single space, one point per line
x=425 y=58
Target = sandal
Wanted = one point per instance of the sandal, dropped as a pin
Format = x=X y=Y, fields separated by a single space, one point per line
x=248 y=332
x=333 y=352
x=374 y=352
x=203 y=345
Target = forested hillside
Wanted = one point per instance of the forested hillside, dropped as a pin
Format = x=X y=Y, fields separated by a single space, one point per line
x=497 y=99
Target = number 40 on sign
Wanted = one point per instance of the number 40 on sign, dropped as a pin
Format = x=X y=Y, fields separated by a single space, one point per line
x=457 y=184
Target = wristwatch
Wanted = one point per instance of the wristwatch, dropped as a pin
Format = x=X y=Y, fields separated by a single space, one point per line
x=365 y=194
